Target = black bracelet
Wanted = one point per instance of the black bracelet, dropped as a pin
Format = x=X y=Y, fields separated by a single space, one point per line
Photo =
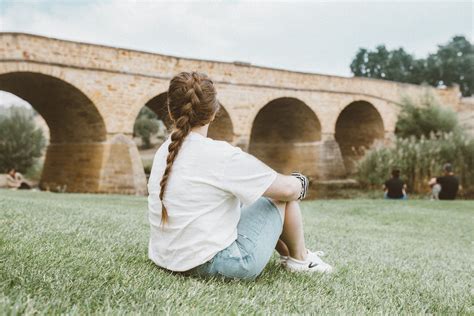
x=304 y=184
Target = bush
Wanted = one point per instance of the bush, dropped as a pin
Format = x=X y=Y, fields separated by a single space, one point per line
x=148 y=125
x=147 y=164
x=424 y=118
x=21 y=142
x=145 y=128
x=34 y=172
x=419 y=160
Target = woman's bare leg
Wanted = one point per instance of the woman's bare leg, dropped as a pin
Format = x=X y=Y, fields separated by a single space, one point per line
x=282 y=248
x=292 y=234
x=291 y=241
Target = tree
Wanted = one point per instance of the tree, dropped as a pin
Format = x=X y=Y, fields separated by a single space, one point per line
x=21 y=142
x=148 y=113
x=453 y=63
x=424 y=118
x=395 y=65
x=146 y=125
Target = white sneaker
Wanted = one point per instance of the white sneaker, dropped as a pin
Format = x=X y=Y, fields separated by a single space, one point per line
x=283 y=259
x=319 y=253
x=313 y=263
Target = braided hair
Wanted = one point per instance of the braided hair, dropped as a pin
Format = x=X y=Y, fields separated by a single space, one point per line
x=191 y=102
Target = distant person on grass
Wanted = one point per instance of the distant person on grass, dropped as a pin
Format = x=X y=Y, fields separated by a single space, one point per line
x=196 y=190
x=445 y=187
x=394 y=187
x=15 y=180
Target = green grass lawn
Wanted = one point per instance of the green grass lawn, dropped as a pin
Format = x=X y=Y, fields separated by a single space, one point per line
x=83 y=254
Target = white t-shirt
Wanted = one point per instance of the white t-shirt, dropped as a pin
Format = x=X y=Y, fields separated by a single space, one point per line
x=208 y=180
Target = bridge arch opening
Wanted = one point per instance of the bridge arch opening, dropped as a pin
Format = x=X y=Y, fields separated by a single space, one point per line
x=74 y=155
x=152 y=125
x=358 y=127
x=286 y=135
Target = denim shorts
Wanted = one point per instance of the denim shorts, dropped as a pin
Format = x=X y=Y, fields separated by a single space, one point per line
x=258 y=231
x=404 y=197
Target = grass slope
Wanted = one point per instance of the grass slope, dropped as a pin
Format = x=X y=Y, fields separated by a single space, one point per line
x=78 y=254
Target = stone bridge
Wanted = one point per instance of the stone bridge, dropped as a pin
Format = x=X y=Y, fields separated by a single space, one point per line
x=90 y=96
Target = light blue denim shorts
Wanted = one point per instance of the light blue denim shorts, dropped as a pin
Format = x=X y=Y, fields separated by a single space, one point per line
x=258 y=231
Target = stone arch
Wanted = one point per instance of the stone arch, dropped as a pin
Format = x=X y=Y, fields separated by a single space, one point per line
x=74 y=156
x=358 y=126
x=220 y=129
x=63 y=106
x=286 y=134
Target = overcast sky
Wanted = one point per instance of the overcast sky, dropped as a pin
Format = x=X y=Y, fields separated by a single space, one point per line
x=320 y=37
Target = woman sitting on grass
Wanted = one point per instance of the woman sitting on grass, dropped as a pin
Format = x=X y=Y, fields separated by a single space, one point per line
x=196 y=189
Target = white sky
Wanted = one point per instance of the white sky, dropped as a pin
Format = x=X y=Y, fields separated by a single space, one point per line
x=320 y=37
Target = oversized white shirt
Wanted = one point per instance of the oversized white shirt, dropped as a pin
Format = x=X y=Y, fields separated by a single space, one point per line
x=208 y=181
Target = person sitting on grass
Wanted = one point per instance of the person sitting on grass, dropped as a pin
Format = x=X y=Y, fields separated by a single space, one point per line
x=445 y=187
x=394 y=187
x=196 y=187
x=15 y=180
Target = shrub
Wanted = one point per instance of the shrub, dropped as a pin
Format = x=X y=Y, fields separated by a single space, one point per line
x=145 y=128
x=425 y=117
x=147 y=125
x=21 y=142
x=147 y=164
x=34 y=172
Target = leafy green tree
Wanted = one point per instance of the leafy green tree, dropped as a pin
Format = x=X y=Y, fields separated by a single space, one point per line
x=21 y=141
x=453 y=63
x=395 y=65
x=148 y=113
x=146 y=125
x=424 y=118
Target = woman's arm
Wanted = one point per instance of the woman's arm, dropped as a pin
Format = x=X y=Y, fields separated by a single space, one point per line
x=284 y=188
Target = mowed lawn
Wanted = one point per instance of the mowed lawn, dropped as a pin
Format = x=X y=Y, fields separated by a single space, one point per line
x=87 y=254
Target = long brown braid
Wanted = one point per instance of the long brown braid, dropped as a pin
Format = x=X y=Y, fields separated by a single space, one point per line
x=191 y=102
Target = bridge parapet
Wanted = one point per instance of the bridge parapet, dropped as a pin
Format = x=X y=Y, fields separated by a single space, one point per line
x=33 y=48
